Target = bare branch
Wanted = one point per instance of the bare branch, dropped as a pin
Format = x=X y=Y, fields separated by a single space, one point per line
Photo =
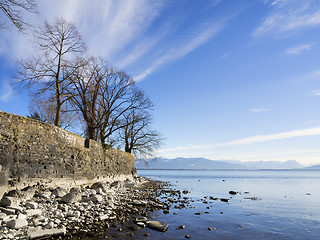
x=13 y=9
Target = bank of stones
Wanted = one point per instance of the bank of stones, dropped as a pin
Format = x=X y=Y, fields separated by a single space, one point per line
x=37 y=212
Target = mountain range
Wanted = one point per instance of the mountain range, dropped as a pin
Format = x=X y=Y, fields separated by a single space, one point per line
x=203 y=163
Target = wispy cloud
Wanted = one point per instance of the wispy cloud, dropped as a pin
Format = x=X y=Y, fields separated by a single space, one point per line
x=298 y=49
x=288 y=16
x=181 y=49
x=258 y=110
x=6 y=92
x=132 y=34
x=272 y=137
x=252 y=140
x=316 y=92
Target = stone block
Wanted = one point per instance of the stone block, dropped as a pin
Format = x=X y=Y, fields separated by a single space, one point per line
x=17 y=223
x=8 y=211
x=9 y=201
x=32 y=205
x=71 y=197
x=34 y=234
x=33 y=212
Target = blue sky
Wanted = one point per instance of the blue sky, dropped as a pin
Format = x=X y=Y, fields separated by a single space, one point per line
x=230 y=79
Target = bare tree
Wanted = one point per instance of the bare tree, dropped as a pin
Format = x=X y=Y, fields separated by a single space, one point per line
x=44 y=110
x=13 y=9
x=103 y=95
x=85 y=92
x=48 y=73
x=119 y=96
x=137 y=136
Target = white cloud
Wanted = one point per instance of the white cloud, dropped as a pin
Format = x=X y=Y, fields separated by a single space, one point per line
x=316 y=92
x=251 y=140
x=288 y=16
x=182 y=49
x=129 y=33
x=272 y=137
x=6 y=93
x=258 y=110
x=298 y=49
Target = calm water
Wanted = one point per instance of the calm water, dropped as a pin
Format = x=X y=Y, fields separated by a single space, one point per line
x=289 y=207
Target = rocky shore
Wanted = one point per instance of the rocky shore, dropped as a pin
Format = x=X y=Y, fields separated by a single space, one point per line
x=86 y=212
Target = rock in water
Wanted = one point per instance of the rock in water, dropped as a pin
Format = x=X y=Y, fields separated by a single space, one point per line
x=155 y=225
x=233 y=192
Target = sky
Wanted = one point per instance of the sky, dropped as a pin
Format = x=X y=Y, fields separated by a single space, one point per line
x=230 y=79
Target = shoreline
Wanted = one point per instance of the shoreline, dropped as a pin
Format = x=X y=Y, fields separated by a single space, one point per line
x=103 y=209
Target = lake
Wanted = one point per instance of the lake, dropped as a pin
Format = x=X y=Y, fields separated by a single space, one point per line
x=270 y=204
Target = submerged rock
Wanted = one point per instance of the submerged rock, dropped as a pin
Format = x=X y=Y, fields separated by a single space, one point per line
x=155 y=225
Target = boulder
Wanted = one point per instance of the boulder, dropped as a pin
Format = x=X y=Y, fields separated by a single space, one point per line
x=8 y=211
x=139 y=203
x=101 y=185
x=115 y=184
x=71 y=197
x=59 y=192
x=233 y=192
x=28 y=192
x=96 y=198
x=15 y=208
x=17 y=223
x=129 y=184
x=45 y=195
x=155 y=225
x=141 y=219
x=9 y=201
x=32 y=205
x=36 y=233
x=33 y=212
x=75 y=189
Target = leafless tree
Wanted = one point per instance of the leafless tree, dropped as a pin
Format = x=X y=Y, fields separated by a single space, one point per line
x=103 y=95
x=44 y=110
x=119 y=96
x=13 y=9
x=85 y=92
x=48 y=72
x=137 y=136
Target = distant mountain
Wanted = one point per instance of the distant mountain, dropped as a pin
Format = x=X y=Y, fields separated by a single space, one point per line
x=202 y=163
x=271 y=164
x=314 y=167
x=186 y=163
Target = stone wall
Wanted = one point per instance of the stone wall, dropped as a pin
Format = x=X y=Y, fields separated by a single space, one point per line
x=30 y=149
